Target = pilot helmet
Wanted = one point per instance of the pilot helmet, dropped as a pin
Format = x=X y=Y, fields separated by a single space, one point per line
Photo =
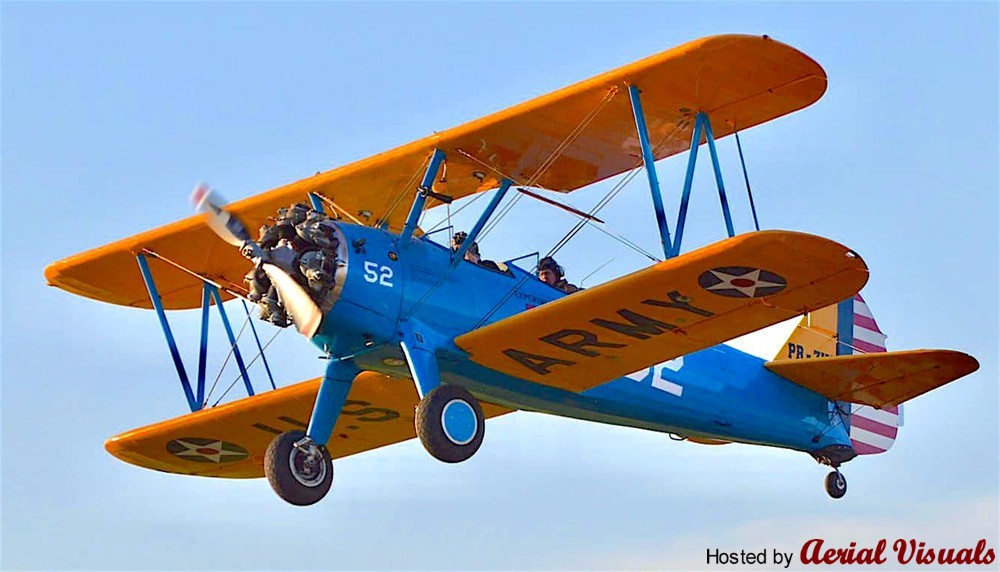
x=549 y=263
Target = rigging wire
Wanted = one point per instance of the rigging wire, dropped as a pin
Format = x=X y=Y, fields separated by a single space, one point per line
x=254 y=360
x=598 y=269
x=402 y=192
x=232 y=348
x=549 y=161
x=615 y=191
x=554 y=156
x=458 y=210
x=576 y=228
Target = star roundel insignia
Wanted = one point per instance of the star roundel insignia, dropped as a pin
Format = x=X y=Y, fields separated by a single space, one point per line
x=201 y=450
x=741 y=282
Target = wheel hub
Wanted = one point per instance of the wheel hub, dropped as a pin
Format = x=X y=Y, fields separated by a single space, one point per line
x=459 y=422
x=307 y=465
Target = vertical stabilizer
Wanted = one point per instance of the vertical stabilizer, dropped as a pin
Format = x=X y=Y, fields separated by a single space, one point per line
x=845 y=329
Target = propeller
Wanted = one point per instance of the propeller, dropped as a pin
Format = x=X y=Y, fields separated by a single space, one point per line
x=305 y=313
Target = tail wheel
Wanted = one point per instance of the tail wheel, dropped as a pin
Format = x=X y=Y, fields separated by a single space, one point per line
x=836 y=484
x=300 y=475
x=450 y=423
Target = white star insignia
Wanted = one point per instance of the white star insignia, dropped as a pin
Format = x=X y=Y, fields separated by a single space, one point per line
x=212 y=451
x=746 y=284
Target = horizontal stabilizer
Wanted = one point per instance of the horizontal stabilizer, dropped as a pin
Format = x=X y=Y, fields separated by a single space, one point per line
x=673 y=308
x=880 y=380
x=229 y=441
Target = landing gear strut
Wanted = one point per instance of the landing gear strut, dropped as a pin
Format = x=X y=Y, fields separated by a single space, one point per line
x=836 y=484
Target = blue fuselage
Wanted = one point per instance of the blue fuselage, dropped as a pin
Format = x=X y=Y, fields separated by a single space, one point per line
x=719 y=393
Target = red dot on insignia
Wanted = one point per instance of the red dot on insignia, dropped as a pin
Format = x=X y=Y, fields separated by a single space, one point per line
x=207 y=451
x=742 y=282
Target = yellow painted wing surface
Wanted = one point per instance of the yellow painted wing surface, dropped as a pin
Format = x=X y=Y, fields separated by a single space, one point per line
x=880 y=380
x=230 y=440
x=562 y=141
x=673 y=308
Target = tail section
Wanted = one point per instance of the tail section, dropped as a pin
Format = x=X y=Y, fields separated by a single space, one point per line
x=845 y=329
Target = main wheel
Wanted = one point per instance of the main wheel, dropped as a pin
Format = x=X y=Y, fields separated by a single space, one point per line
x=300 y=476
x=836 y=485
x=450 y=423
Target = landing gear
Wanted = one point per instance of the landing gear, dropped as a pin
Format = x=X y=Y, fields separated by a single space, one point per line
x=450 y=423
x=836 y=484
x=301 y=475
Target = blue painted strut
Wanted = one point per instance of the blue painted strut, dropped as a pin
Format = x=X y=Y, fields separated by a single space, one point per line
x=718 y=175
x=647 y=161
x=316 y=203
x=232 y=338
x=206 y=302
x=154 y=296
x=418 y=204
x=701 y=123
x=688 y=179
x=330 y=400
x=478 y=227
x=746 y=179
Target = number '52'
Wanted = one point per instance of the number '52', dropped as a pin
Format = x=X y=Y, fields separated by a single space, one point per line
x=378 y=274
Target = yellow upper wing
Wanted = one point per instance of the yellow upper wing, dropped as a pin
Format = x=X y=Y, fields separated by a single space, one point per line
x=230 y=440
x=740 y=81
x=879 y=380
x=670 y=309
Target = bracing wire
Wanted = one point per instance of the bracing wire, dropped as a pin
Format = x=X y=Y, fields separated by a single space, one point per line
x=402 y=191
x=580 y=224
x=232 y=349
x=254 y=360
x=596 y=270
x=554 y=156
x=549 y=161
x=614 y=193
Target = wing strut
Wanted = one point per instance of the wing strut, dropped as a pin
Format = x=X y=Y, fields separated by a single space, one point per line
x=154 y=296
x=701 y=123
x=210 y=292
x=648 y=162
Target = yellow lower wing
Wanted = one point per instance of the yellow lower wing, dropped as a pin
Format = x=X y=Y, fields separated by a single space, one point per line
x=230 y=440
x=880 y=380
x=673 y=308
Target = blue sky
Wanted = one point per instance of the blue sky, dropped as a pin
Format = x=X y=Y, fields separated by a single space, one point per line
x=111 y=112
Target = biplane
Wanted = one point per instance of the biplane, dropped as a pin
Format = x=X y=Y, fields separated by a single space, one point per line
x=421 y=343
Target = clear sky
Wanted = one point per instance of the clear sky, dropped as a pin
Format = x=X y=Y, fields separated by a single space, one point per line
x=111 y=112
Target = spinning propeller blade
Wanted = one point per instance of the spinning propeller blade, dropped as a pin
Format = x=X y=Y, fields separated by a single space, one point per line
x=305 y=313
x=228 y=227
x=297 y=302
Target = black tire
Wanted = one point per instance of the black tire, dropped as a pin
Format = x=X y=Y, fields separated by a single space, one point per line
x=290 y=473
x=432 y=432
x=836 y=485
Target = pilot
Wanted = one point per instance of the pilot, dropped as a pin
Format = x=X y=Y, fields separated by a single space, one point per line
x=472 y=254
x=552 y=274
